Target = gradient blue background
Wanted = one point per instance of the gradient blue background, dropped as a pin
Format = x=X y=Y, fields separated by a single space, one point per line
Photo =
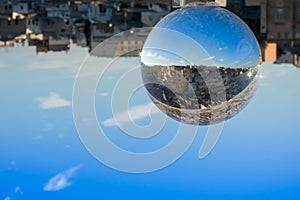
x=257 y=156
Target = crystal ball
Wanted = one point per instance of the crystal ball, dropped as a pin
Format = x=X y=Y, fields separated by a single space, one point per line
x=200 y=64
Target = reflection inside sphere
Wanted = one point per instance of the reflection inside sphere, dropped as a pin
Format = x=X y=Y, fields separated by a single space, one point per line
x=189 y=100
x=200 y=64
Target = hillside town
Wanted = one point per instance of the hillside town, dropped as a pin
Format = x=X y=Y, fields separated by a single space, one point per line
x=53 y=25
x=205 y=94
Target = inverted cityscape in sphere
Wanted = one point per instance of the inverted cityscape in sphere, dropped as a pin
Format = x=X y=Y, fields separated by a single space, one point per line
x=200 y=64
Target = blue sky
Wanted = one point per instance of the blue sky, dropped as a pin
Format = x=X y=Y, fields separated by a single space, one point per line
x=42 y=157
x=201 y=35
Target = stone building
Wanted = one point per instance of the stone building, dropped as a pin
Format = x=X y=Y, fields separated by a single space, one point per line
x=6 y=8
x=46 y=25
x=11 y=28
x=279 y=19
x=274 y=22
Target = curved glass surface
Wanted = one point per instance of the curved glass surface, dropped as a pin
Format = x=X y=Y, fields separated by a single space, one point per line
x=200 y=64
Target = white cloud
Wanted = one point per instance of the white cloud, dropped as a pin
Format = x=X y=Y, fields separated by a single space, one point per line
x=52 y=101
x=7 y=198
x=152 y=58
x=154 y=55
x=159 y=58
x=135 y=113
x=61 y=180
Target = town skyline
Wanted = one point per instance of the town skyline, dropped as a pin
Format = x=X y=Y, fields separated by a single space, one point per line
x=54 y=25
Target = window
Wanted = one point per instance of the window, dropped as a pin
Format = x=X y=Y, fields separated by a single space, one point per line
x=278 y=35
x=21 y=7
x=102 y=9
x=298 y=14
x=280 y=14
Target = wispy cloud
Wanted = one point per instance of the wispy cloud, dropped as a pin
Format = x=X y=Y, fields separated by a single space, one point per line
x=50 y=64
x=52 y=101
x=54 y=60
x=2 y=65
x=90 y=68
x=16 y=193
x=103 y=94
x=17 y=189
x=48 y=127
x=12 y=165
x=61 y=180
x=135 y=113
x=208 y=58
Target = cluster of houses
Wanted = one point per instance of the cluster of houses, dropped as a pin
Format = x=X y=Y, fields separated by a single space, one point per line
x=52 y=25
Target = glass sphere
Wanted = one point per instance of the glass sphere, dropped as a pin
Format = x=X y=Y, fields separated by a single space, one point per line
x=200 y=64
